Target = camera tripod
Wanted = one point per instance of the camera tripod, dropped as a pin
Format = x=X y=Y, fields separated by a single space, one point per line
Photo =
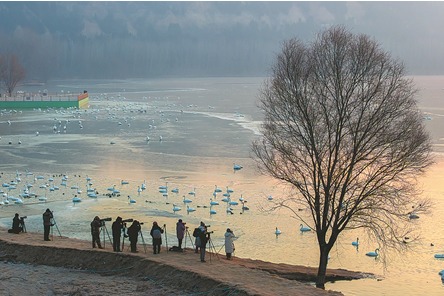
x=166 y=237
x=211 y=247
x=103 y=227
x=125 y=235
x=187 y=235
x=143 y=240
x=22 y=223
x=54 y=223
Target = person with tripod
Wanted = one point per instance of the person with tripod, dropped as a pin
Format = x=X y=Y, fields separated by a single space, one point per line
x=180 y=232
x=203 y=238
x=133 y=234
x=95 y=232
x=117 y=228
x=229 y=245
x=47 y=216
x=156 y=234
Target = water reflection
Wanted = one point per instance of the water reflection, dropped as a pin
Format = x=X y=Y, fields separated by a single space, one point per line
x=197 y=154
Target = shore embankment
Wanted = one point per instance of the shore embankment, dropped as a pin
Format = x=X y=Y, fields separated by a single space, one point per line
x=170 y=271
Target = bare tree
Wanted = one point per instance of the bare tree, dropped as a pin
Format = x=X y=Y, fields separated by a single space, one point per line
x=342 y=128
x=11 y=71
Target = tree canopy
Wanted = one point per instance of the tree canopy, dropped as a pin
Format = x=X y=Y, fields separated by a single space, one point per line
x=342 y=128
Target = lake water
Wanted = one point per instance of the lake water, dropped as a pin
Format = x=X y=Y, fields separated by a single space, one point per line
x=206 y=125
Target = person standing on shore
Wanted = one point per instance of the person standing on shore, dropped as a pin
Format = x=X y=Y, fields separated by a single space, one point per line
x=47 y=216
x=203 y=240
x=156 y=234
x=95 y=232
x=117 y=233
x=196 y=233
x=133 y=234
x=229 y=245
x=180 y=232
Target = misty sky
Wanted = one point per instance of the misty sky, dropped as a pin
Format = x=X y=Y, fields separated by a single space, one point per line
x=155 y=39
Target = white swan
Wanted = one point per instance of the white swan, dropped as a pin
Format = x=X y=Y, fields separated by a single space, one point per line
x=356 y=243
x=176 y=208
x=190 y=209
x=217 y=189
x=193 y=193
x=277 y=231
x=76 y=199
x=237 y=167
x=92 y=195
x=233 y=203
x=413 y=216
x=373 y=254
x=303 y=228
x=163 y=189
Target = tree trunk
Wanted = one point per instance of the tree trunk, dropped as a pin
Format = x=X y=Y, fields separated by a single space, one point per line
x=322 y=269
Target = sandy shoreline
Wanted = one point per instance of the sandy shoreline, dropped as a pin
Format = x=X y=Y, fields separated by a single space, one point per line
x=68 y=266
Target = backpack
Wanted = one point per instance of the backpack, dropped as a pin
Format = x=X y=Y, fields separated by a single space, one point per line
x=157 y=233
x=196 y=232
x=175 y=249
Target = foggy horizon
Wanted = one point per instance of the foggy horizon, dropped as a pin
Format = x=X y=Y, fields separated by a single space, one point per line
x=106 y=40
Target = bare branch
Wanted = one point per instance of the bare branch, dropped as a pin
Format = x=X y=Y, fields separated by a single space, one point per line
x=11 y=72
x=342 y=128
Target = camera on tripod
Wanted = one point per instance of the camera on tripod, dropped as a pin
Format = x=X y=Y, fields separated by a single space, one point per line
x=102 y=221
x=127 y=220
x=23 y=218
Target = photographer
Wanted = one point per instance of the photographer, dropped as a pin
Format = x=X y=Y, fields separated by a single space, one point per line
x=229 y=245
x=156 y=234
x=201 y=240
x=95 y=232
x=17 y=226
x=180 y=232
x=47 y=216
x=133 y=233
x=117 y=228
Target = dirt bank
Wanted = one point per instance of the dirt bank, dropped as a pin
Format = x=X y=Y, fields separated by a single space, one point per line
x=143 y=273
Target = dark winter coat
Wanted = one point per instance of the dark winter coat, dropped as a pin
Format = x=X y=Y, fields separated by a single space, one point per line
x=133 y=231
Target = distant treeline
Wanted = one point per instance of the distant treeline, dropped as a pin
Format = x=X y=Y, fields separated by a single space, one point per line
x=53 y=42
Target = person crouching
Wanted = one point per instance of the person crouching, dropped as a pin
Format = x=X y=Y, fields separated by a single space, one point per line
x=16 y=225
